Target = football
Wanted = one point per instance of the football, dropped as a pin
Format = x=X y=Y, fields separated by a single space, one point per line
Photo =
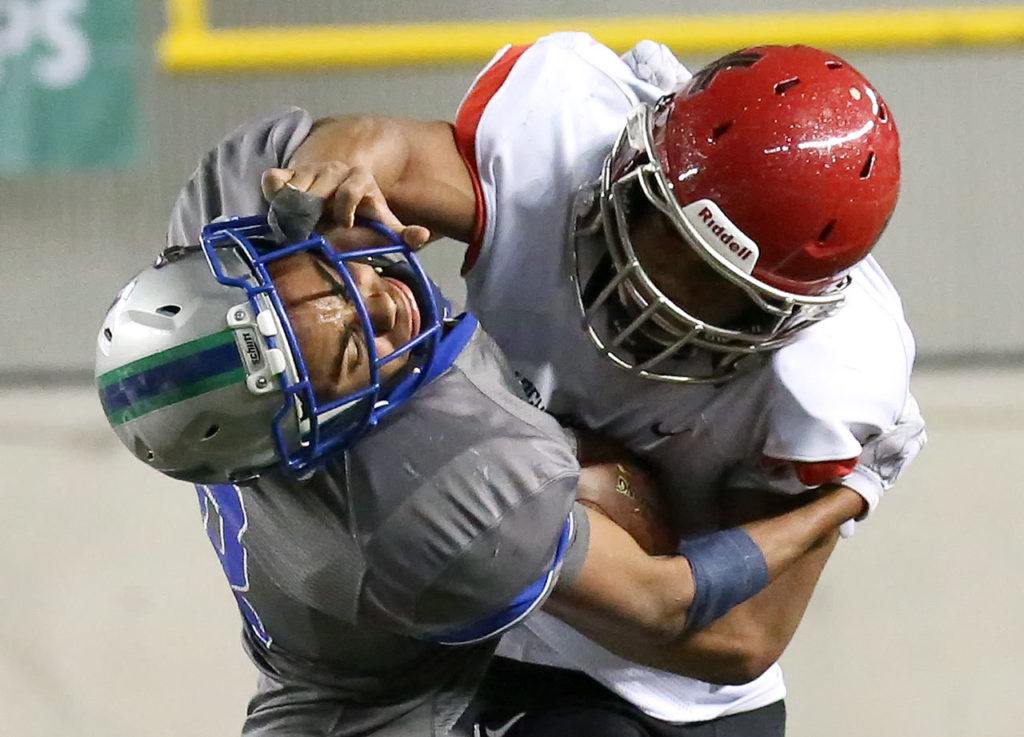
x=616 y=484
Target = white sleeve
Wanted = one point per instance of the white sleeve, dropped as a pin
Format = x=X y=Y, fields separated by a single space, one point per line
x=841 y=408
x=543 y=113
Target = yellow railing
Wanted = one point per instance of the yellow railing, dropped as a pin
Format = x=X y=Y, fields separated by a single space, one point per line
x=192 y=45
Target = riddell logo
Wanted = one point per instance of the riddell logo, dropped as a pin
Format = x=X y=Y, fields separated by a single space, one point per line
x=719 y=234
x=728 y=239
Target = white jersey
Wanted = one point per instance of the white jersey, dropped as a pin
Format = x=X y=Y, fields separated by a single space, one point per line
x=535 y=126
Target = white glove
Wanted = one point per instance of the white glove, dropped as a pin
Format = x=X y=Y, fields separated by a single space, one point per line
x=653 y=63
x=884 y=457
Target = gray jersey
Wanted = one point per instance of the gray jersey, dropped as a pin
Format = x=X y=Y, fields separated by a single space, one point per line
x=435 y=523
x=448 y=523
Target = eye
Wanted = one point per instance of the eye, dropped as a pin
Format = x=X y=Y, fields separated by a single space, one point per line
x=355 y=347
x=347 y=357
x=352 y=352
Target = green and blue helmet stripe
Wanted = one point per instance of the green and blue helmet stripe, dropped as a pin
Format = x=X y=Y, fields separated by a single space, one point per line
x=161 y=379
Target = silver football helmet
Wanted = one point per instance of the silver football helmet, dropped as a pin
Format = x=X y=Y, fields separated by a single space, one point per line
x=185 y=374
x=201 y=376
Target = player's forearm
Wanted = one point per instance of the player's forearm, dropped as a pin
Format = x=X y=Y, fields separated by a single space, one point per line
x=734 y=649
x=638 y=606
x=784 y=539
x=620 y=586
x=622 y=591
x=741 y=645
x=415 y=163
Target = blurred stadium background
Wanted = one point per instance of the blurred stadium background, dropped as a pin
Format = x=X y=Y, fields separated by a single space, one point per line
x=114 y=619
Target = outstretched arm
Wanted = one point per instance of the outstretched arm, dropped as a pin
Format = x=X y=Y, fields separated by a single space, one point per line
x=743 y=644
x=407 y=174
x=754 y=634
x=638 y=606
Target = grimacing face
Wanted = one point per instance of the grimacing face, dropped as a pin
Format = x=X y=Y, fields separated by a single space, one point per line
x=327 y=325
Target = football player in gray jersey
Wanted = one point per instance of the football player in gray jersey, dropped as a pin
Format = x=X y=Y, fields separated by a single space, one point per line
x=382 y=499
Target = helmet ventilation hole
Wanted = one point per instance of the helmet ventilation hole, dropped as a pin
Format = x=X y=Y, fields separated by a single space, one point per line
x=883 y=113
x=720 y=130
x=869 y=164
x=786 y=85
x=826 y=231
x=143 y=451
x=834 y=64
x=108 y=334
x=168 y=310
x=211 y=431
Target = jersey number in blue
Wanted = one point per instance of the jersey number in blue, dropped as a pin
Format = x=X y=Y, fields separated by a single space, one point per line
x=224 y=516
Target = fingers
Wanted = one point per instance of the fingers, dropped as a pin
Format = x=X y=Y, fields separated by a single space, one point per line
x=319 y=180
x=415 y=236
x=360 y=195
x=351 y=191
x=344 y=238
x=272 y=181
x=327 y=179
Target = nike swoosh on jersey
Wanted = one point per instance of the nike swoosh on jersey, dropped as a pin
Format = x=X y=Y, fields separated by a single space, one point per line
x=659 y=429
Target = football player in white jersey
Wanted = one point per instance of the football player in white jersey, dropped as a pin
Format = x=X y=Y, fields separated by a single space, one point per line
x=680 y=263
x=372 y=481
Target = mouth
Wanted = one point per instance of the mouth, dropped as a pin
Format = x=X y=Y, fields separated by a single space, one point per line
x=411 y=308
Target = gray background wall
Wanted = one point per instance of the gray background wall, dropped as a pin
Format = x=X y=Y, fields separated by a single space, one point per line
x=67 y=241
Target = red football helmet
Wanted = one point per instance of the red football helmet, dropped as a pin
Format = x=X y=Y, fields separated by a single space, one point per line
x=780 y=167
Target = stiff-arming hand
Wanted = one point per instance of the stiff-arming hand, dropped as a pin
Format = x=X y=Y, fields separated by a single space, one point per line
x=347 y=191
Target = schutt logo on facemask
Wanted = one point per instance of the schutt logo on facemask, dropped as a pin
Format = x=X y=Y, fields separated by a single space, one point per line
x=251 y=349
x=727 y=238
